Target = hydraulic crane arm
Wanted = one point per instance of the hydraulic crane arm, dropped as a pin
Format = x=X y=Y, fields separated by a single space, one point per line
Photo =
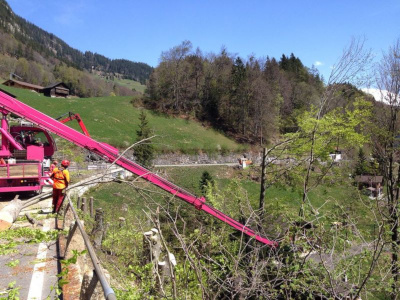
x=111 y=154
x=77 y=117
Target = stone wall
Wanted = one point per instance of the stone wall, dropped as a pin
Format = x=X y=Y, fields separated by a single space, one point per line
x=203 y=158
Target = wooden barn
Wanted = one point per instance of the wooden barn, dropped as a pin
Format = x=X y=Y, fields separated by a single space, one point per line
x=23 y=85
x=58 y=89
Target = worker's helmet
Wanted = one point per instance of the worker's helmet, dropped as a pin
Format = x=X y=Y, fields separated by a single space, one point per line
x=65 y=163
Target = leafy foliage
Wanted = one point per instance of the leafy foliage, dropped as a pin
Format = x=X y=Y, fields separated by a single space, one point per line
x=12 y=238
x=13 y=263
x=335 y=130
x=12 y=291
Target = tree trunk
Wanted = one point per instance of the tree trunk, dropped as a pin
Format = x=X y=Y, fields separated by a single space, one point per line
x=10 y=213
x=263 y=175
x=395 y=249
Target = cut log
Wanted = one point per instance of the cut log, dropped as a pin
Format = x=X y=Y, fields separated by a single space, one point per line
x=10 y=213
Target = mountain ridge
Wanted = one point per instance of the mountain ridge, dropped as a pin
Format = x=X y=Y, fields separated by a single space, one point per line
x=49 y=45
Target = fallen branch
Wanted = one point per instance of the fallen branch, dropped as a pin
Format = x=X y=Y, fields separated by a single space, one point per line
x=33 y=221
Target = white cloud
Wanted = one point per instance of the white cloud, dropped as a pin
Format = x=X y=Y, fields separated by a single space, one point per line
x=379 y=95
x=318 y=63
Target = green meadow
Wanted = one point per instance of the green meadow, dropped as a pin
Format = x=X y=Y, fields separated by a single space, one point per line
x=115 y=120
x=131 y=84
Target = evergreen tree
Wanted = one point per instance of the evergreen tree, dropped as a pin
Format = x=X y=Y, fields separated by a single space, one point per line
x=362 y=167
x=206 y=178
x=144 y=152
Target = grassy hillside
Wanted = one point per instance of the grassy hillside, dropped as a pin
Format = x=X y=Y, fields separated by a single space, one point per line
x=114 y=120
x=131 y=84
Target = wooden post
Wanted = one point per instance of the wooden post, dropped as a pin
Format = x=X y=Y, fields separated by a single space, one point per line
x=91 y=204
x=79 y=204
x=68 y=217
x=84 y=205
x=263 y=175
x=71 y=234
x=98 y=229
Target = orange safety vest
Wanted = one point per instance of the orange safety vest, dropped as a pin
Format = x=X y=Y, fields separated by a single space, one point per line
x=61 y=178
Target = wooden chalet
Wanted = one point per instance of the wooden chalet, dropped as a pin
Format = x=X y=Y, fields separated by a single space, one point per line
x=58 y=89
x=372 y=183
x=23 y=85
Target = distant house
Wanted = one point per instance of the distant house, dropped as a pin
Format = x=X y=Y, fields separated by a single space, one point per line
x=336 y=156
x=371 y=183
x=58 y=89
x=23 y=85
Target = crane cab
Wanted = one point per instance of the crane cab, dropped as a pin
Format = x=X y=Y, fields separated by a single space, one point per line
x=28 y=136
x=25 y=153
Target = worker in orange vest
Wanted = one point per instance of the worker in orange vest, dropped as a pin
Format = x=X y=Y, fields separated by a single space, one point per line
x=53 y=166
x=61 y=179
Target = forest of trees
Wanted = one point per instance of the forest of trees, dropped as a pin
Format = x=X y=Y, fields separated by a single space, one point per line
x=252 y=99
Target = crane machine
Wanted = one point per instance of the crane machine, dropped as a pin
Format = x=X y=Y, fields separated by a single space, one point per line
x=25 y=153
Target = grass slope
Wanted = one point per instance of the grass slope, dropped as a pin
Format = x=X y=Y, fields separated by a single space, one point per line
x=131 y=84
x=114 y=120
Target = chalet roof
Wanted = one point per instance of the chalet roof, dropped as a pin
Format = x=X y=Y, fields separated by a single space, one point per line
x=55 y=85
x=29 y=85
x=369 y=179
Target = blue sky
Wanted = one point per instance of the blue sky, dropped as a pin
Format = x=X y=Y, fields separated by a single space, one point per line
x=315 y=31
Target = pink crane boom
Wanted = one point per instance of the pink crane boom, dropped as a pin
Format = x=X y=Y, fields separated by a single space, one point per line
x=9 y=104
